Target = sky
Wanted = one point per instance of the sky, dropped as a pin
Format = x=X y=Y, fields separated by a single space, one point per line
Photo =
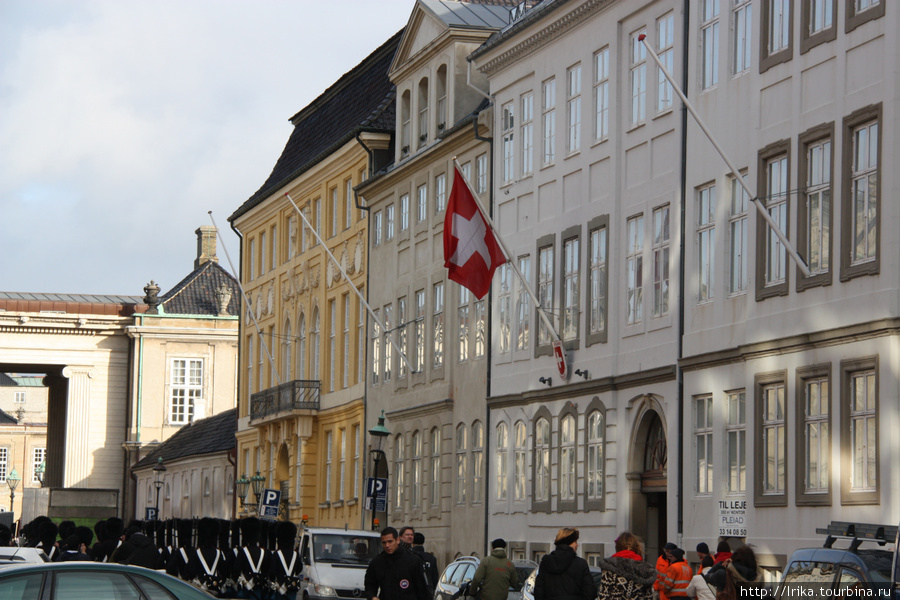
x=124 y=122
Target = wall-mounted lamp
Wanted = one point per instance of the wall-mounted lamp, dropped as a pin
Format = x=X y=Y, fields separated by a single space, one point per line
x=582 y=373
x=546 y=381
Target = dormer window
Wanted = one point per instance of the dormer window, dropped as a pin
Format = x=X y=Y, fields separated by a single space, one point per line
x=423 y=112
x=442 y=98
x=405 y=123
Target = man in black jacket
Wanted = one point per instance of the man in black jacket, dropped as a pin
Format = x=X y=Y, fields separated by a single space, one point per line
x=429 y=562
x=395 y=574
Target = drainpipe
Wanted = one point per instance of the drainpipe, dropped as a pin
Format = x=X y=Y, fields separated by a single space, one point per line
x=679 y=374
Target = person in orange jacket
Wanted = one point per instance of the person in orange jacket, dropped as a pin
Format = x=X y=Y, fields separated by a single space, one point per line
x=678 y=576
x=662 y=565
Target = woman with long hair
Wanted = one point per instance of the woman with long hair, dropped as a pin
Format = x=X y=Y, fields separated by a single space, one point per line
x=625 y=574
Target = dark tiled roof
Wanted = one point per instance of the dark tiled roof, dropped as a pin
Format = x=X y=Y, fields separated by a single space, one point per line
x=361 y=100
x=206 y=436
x=7 y=419
x=196 y=293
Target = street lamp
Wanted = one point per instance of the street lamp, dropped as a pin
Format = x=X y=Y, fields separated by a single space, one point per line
x=257 y=482
x=242 y=485
x=39 y=471
x=12 y=480
x=378 y=434
x=159 y=468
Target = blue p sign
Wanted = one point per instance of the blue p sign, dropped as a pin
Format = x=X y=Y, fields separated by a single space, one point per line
x=271 y=497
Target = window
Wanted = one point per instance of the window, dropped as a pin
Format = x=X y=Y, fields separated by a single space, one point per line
x=599 y=280
x=251 y=259
x=345 y=359
x=573 y=108
x=420 y=330
x=437 y=322
x=661 y=261
x=303 y=228
x=504 y=299
x=743 y=35
x=342 y=465
x=502 y=438
x=361 y=341
x=541 y=458
x=421 y=203
x=440 y=193
x=567 y=461
x=249 y=368
x=814 y=435
x=291 y=237
x=403 y=328
x=548 y=119
x=709 y=42
x=859 y=431
x=571 y=288
x=416 y=470
x=315 y=373
x=480 y=329
x=665 y=49
x=376 y=350
x=815 y=208
x=461 y=463
x=545 y=290
x=332 y=343
x=638 y=71
x=527 y=133
x=601 y=94
x=287 y=345
x=399 y=474
x=355 y=461
x=328 y=456
x=263 y=248
x=333 y=212
x=20 y=398
x=481 y=173
x=816 y=23
x=864 y=192
x=38 y=456
x=441 y=98
x=467 y=171
x=376 y=229
x=706 y=241
x=348 y=203
x=317 y=205
x=423 y=112
x=260 y=352
x=434 y=484
x=737 y=233
x=508 y=148
x=4 y=464
x=523 y=306
x=388 y=347
x=771 y=465
x=389 y=223
x=634 y=269
x=595 y=456
x=771 y=259
x=736 y=441
x=301 y=348
x=519 y=459
x=703 y=443
x=405 y=130
x=463 y=327
x=862 y=11
x=776 y=43
x=477 y=462
x=404 y=212
x=186 y=389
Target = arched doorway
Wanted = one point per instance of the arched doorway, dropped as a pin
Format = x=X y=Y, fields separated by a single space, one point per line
x=649 y=477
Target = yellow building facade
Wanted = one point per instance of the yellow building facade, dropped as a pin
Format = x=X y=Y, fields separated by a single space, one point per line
x=301 y=410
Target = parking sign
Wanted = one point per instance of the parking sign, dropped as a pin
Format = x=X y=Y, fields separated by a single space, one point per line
x=269 y=502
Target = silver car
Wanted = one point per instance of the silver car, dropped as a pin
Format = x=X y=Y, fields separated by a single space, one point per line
x=461 y=571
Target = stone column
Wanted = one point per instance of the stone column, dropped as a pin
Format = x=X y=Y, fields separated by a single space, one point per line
x=78 y=411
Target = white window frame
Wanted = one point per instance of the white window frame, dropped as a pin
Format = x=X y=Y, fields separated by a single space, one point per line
x=415 y=471
x=665 y=49
x=703 y=444
x=863 y=419
x=440 y=193
x=568 y=426
x=595 y=425
x=774 y=440
x=38 y=456
x=527 y=133
x=422 y=203
x=571 y=288
x=661 y=261
x=389 y=223
x=548 y=121
x=462 y=313
x=420 y=330
x=706 y=242
x=542 y=460
x=437 y=325
x=546 y=274
x=501 y=450
x=404 y=212
x=519 y=462
x=181 y=409
x=779 y=26
x=573 y=108
x=434 y=492
x=817 y=435
x=737 y=240
x=864 y=173
x=819 y=206
x=736 y=441
x=523 y=308
x=638 y=75
x=777 y=205
x=477 y=462
x=508 y=146
x=403 y=335
x=462 y=461
x=634 y=269
x=743 y=35
x=504 y=308
x=709 y=44
x=601 y=94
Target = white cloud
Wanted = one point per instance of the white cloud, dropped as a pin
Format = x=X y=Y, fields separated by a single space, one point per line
x=123 y=123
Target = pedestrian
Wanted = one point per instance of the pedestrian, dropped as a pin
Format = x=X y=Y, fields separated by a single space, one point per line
x=723 y=552
x=395 y=574
x=137 y=549
x=736 y=573
x=625 y=573
x=73 y=549
x=407 y=537
x=428 y=560
x=113 y=534
x=678 y=576
x=662 y=565
x=495 y=574
x=563 y=575
x=702 y=550
x=698 y=587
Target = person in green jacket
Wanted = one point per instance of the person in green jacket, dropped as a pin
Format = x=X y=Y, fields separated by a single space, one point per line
x=495 y=574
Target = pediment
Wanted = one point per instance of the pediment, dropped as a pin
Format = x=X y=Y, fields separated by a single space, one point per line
x=422 y=29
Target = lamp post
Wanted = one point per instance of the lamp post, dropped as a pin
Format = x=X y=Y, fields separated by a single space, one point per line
x=40 y=470
x=257 y=482
x=12 y=480
x=378 y=435
x=159 y=468
x=243 y=484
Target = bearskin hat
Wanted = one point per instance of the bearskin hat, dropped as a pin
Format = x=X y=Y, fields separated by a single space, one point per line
x=47 y=532
x=115 y=528
x=207 y=532
x=85 y=535
x=250 y=531
x=66 y=528
x=285 y=535
x=185 y=530
x=224 y=533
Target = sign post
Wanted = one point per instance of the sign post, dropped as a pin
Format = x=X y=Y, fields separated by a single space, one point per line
x=269 y=502
x=376 y=494
x=151 y=513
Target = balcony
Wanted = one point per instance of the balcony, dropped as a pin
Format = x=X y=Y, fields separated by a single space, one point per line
x=286 y=400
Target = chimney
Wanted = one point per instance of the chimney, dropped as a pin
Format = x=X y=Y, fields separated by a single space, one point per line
x=206 y=245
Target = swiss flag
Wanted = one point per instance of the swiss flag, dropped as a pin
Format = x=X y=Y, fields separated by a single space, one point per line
x=471 y=253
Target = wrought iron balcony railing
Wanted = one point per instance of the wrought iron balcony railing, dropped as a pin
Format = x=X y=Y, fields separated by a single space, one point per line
x=299 y=394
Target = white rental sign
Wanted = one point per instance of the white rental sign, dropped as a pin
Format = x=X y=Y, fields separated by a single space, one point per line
x=732 y=518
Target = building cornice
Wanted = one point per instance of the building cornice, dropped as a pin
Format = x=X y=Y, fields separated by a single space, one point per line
x=546 y=35
x=423 y=410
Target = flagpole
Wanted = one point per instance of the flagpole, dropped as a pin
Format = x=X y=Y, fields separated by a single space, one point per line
x=358 y=293
x=262 y=340
x=544 y=318
x=801 y=264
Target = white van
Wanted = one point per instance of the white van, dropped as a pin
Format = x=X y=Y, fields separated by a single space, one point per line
x=335 y=562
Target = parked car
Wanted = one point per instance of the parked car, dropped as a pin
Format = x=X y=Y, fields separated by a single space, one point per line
x=844 y=572
x=91 y=581
x=462 y=570
x=15 y=555
x=528 y=588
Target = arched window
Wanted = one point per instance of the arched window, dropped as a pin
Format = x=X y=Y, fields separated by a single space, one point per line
x=250 y=369
x=596 y=424
x=206 y=489
x=462 y=472
x=414 y=482
x=502 y=438
x=301 y=348
x=286 y=351
x=150 y=494
x=442 y=123
x=541 y=465
x=314 y=341
x=423 y=112
x=519 y=476
x=435 y=484
x=399 y=473
x=567 y=459
x=405 y=122
x=168 y=491
x=477 y=462
x=229 y=486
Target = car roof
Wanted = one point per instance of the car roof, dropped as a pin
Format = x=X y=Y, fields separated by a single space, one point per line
x=837 y=556
x=58 y=566
x=356 y=532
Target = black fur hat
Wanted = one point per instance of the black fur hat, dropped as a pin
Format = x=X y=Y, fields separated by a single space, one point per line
x=235 y=534
x=285 y=535
x=47 y=532
x=185 y=530
x=115 y=528
x=100 y=531
x=224 y=533
x=207 y=532
x=66 y=528
x=250 y=531
x=85 y=535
